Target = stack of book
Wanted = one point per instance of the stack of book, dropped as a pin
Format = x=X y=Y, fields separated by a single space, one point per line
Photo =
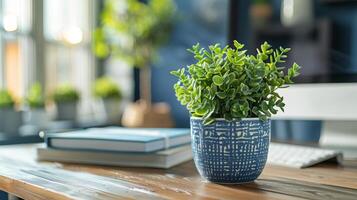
x=159 y=147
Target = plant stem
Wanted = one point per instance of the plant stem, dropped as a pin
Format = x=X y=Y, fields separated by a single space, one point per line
x=145 y=85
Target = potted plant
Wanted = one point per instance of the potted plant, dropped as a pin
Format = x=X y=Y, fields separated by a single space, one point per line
x=231 y=96
x=36 y=114
x=10 y=119
x=133 y=31
x=66 y=97
x=106 y=90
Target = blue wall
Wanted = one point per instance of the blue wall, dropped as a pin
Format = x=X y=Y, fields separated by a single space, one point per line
x=202 y=21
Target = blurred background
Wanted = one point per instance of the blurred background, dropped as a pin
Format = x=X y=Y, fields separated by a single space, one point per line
x=73 y=64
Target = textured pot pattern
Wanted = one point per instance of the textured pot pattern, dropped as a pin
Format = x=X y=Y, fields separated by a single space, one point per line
x=230 y=151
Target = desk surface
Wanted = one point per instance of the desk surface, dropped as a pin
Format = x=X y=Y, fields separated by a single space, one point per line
x=22 y=176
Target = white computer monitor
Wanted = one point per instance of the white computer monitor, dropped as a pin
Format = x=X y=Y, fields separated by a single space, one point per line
x=333 y=103
x=320 y=101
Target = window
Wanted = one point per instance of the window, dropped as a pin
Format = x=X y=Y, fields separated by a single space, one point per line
x=16 y=46
x=67 y=29
x=47 y=41
x=50 y=41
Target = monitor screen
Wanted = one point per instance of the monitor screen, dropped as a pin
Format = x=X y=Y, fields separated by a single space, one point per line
x=324 y=44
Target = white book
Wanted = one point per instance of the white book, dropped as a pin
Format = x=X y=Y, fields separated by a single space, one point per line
x=159 y=159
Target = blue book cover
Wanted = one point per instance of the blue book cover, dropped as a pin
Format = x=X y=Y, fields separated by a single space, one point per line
x=120 y=139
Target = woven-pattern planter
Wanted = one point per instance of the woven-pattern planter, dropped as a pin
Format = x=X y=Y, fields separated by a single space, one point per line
x=230 y=151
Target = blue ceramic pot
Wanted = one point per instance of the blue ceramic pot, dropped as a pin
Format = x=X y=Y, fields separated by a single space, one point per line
x=230 y=151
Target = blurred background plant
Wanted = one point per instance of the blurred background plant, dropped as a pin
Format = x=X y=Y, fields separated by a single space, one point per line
x=35 y=118
x=65 y=93
x=6 y=100
x=10 y=119
x=35 y=97
x=106 y=88
x=132 y=30
x=66 y=98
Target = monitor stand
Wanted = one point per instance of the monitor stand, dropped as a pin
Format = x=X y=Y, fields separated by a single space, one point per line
x=340 y=135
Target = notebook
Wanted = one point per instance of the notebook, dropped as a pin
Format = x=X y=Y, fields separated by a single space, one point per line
x=159 y=159
x=120 y=139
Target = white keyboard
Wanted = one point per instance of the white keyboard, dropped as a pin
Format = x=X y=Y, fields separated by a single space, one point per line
x=299 y=156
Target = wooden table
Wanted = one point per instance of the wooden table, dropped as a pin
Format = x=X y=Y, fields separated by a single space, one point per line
x=22 y=176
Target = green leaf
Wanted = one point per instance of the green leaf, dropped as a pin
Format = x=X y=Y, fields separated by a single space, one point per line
x=217 y=80
x=221 y=95
x=176 y=73
x=244 y=89
x=238 y=45
x=208 y=121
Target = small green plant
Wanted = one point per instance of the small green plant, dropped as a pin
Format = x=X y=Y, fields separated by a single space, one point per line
x=228 y=83
x=106 y=88
x=35 y=98
x=65 y=93
x=6 y=100
x=133 y=31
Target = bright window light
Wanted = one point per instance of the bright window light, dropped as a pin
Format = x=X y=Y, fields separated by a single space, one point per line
x=72 y=35
x=10 y=22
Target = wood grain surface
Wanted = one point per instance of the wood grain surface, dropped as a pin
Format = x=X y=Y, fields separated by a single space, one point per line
x=23 y=176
